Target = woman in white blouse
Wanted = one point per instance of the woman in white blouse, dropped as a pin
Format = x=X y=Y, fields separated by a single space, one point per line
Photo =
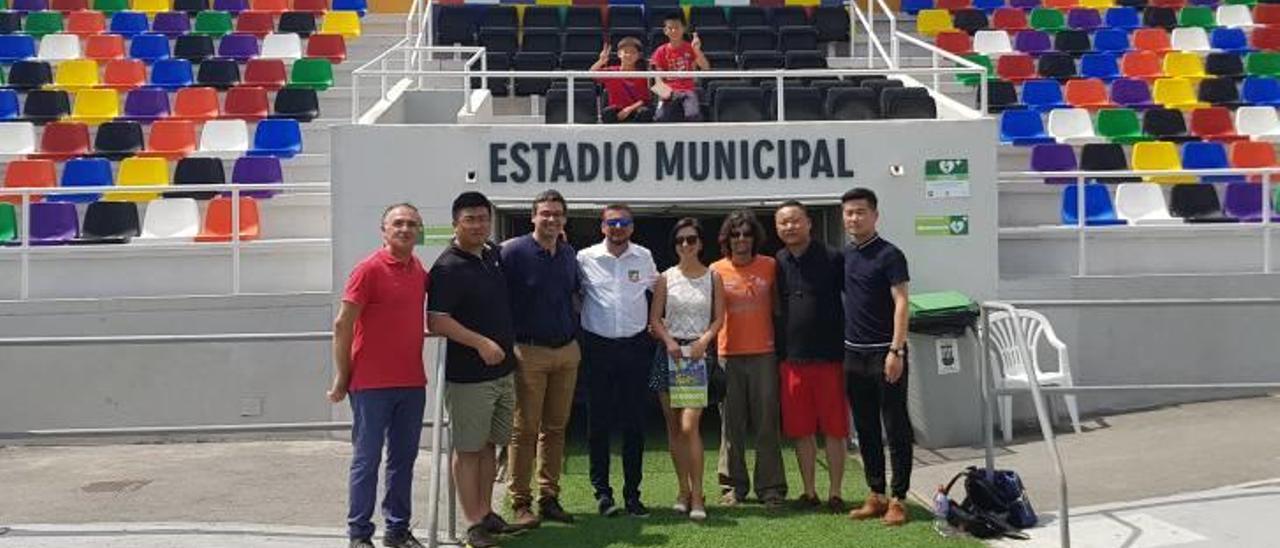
x=686 y=314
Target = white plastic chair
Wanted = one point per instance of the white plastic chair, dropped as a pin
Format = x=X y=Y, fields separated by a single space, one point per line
x=59 y=47
x=1235 y=15
x=1143 y=204
x=17 y=138
x=170 y=219
x=1190 y=39
x=1072 y=126
x=1259 y=123
x=1011 y=361
x=281 y=46
x=992 y=42
x=231 y=136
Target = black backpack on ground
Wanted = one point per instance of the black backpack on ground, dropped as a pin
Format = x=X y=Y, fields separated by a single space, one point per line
x=995 y=504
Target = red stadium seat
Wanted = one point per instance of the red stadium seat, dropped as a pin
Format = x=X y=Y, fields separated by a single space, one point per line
x=1009 y=19
x=257 y=23
x=1090 y=93
x=171 y=139
x=265 y=73
x=1215 y=124
x=1142 y=64
x=1016 y=67
x=104 y=47
x=1152 y=39
x=246 y=103
x=329 y=46
x=63 y=140
x=124 y=74
x=957 y=42
x=28 y=174
x=86 y=23
x=198 y=104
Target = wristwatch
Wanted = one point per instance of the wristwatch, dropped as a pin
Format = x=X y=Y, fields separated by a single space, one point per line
x=899 y=352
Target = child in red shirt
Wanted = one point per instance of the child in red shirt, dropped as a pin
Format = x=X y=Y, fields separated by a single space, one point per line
x=628 y=97
x=677 y=54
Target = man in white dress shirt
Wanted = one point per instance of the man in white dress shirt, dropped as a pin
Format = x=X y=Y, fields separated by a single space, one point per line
x=617 y=351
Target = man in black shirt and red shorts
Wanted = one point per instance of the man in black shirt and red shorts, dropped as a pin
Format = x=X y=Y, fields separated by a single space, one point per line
x=875 y=357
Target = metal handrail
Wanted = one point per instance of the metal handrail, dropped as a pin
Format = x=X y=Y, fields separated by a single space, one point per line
x=439 y=480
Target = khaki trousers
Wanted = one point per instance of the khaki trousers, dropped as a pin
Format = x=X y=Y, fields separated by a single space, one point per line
x=751 y=406
x=545 y=379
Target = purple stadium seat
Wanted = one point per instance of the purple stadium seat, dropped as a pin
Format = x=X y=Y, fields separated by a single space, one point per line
x=54 y=223
x=1054 y=157
x=238 y=46
x=257 y=170
x=232 y=6
x=171 y=23
x=146 y=104
x=1243 y=201
x=1132 y=93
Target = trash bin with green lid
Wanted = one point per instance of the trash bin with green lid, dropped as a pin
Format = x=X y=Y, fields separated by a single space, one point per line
x=944 y=395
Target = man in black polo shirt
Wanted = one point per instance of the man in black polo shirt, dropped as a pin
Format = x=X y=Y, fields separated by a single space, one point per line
x=809 y=324
x=875 y=357
x=542 y=275
x=468 y=303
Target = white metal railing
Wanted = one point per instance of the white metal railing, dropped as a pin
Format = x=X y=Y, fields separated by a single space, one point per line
x=440 y=479
x=234 y=245
x=1082 y=227
x=936 y=54
x=377 y=68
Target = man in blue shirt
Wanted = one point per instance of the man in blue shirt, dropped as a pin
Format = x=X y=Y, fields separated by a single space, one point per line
x=542 y=278
x=875 y=354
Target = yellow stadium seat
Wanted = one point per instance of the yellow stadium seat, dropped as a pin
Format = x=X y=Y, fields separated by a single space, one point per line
x=76 y=74
x=151 y=6
x=1177 y=93
x=1097 y=4
x=139 y=171
x=554 y=2
x=1159 y=155
x=802 y=2
x=346 y=23
x=95 y=106
x=933 y=22
x=1184 y=64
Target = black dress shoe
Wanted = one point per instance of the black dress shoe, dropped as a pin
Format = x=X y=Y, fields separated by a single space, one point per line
x=550 y=509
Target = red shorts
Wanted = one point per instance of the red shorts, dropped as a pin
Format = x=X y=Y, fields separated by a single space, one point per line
x=813 y=399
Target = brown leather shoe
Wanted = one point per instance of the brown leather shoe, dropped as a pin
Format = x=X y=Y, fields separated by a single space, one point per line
x=874 y=507
x=895 y=515
x=524 y=518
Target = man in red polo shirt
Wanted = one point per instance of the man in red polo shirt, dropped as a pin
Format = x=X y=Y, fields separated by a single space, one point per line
x=377 y=353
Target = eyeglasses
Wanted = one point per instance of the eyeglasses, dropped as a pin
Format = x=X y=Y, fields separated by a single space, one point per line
x=741 y=234
x=618 y=223
x=686 y=240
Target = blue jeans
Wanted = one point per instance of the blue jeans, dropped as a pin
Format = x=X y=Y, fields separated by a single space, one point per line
x=393 y=416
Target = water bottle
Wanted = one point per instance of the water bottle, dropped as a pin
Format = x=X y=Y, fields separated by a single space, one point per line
x=941 y=508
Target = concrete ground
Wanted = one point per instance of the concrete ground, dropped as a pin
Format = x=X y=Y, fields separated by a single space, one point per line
x=1155 y=478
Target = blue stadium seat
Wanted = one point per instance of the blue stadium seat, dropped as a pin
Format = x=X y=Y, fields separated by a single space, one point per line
x=1023 y=127
x=1123 y=17
x=1208 y=155
x=1043 y=95
x=84 y=172
x=149 y=47
x=358 y=6
x=277 y=137
x=1111 y=41
x=9 y=108
x=1105 y=66
x=1098 y=208
x=129 y=23
x=914 y=6
x=16 y=47
x=988 y=6
x=1229 y=39
x=171 y=74
x=1260 y=90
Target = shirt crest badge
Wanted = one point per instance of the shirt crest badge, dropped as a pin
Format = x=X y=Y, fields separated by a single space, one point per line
x=633 y=275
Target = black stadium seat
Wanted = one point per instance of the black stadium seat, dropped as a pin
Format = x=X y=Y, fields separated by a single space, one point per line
x=970 y=20
x=454 y=25
x=1154 y=16
x=219 y=73
x=1138 y=4
x=29 y=74
x=498 y=17
x=44 y=105
x=118 y=140
x=1060 y=66
x=584 y=105
x=109 y=223
x=576 y=60
x=496 y=61
x=1001 y=96
x=1105 y=157
x=499 y=39
x=832 y=23
x=626 y=17
x=738 y=104
x=756 y=39
x=1219 y=91
x=192 y=7
x=583 y=40
x=1197 y=203
x=1166 y=124
x=879 y=85
x=762 y=60
x=1075 y=42
x=193 y=47
x=195 y=170
x=715 y=39
x=805 y=60
x=791 y=38
x=589 y=17
x=851 y=103
x=303 y=24
x=747 y=16
x=300 y=104
x=802 y=103
x=705 y=17
x=540 y=40
x=1224 y=64
x=533 y=61
x=903 y=103
x=10 y=22
x=542 y=17
x=722 y=60
x=788 y=16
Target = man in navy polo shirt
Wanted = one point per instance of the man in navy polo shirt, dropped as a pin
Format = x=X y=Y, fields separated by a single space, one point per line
x=875 y=357
x=542 y=275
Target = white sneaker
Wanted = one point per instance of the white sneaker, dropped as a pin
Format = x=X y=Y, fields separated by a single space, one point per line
x=698 y=514
x=680 y=506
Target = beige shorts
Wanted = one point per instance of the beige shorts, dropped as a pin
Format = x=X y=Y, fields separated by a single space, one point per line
x=480 y=412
